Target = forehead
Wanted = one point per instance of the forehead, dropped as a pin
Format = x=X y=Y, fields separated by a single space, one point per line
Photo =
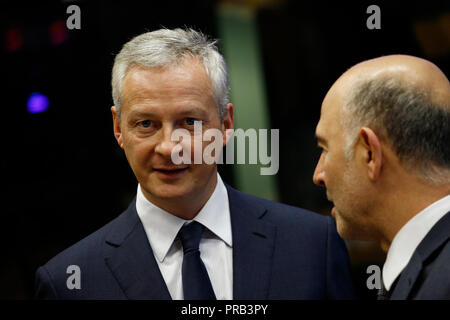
x=330 y=113
x=185 y=80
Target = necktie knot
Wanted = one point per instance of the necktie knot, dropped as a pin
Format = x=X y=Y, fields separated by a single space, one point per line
x=190 y=236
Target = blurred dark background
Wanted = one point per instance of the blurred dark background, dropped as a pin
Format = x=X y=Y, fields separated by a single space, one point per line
x=63 y=174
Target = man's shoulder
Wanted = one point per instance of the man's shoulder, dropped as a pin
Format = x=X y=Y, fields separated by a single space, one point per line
x=434 y=280
x=435 y=247
x=87 y=257
x=90 y=248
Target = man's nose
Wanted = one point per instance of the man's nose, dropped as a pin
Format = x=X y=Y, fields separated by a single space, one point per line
x=319 y=173
x=165 y=145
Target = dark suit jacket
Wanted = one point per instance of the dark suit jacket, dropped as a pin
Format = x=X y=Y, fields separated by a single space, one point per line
x=279 y=252
x=427 y=275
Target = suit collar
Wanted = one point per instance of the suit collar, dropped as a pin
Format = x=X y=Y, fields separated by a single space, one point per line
x=123 y=225
x=129 y=256
x=408 y=238
x=433 y=240
x=253 y=244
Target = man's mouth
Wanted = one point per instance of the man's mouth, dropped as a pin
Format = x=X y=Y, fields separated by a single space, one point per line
x=170 y=172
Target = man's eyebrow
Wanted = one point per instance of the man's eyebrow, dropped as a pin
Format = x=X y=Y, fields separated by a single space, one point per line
x=186 y=112
x=193 y=111
x=139 y=114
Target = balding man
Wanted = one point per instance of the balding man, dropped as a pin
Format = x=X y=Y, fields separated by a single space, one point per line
x=385 y=134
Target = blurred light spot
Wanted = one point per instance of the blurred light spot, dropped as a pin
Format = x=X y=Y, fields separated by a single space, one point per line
x=58 y=32
x=37 y=102
x=14 y=39
x=434 y=35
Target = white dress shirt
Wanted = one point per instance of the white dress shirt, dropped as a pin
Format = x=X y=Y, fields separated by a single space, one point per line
x=409 y=237
x=216 y=252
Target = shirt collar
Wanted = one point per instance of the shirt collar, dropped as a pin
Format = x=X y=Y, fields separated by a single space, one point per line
x=162 y=227
x=409 y=237
x=215 y=214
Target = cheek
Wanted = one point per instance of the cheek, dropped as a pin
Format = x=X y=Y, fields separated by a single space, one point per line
x=138 y=151
x=351 y=191
x=335 y=167
x=340 y=183
x=330 y=171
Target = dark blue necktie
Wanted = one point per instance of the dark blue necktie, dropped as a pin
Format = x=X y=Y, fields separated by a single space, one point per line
x=196 y=283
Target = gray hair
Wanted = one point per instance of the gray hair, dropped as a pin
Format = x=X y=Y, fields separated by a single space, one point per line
x=164 y=47
x=417 y=128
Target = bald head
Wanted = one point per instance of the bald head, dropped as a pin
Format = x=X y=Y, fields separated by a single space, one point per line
x=406 y=101
x=409 y=71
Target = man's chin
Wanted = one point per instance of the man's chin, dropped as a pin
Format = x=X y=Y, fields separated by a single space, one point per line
x=169 y=192
x=344 y=232
x=333 y=212
x=348 y=231
x=158 y=189
x=343 y=228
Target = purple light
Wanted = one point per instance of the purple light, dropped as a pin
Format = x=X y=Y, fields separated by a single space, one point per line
x=37 y=102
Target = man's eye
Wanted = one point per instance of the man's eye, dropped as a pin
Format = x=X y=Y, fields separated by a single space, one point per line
x=190 y=121
x=146 y=123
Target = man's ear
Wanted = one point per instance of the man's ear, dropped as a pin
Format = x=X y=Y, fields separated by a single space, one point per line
x=228 y=123
x=116 y=127
x=372 y=152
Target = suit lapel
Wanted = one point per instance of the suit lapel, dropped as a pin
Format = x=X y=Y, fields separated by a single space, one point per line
x=130 y=258
x=407 y=279
x=432 y=241
x=253 y=245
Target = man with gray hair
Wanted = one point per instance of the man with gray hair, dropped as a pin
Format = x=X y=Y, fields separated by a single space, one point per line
x=188 y=235
x=385 y=133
